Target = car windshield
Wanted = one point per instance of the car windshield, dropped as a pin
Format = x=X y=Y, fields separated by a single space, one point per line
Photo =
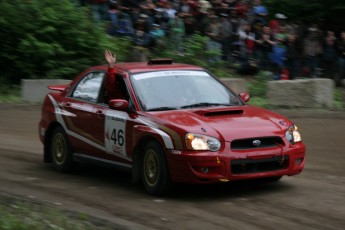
x=170 y=90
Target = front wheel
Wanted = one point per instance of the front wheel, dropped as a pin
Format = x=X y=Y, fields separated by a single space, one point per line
x=155 y=176
x=61 y=151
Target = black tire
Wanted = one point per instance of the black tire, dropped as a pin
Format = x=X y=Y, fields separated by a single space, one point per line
x=155 y=172
x=61 y=151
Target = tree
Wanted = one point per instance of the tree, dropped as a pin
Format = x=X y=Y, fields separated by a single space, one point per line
x=327 y=13
x=50 y=39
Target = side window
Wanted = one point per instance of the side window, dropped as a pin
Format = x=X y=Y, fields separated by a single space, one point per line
x=88 y=89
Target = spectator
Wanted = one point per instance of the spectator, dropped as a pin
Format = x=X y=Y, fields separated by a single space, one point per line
x=168 y=13
x=260 y=12
x=265 y=44
x=141 y=38
x=331 y=35
x=148 y=8
x=279 y=50
x=213 y=31
x=99 y=9
x=156 y=35
x=341 y=58
x=198 y=15
x=161 y=16
x=312 y=51
x=190 y=26
x=170 y=10
x=225 y=35
x=175 y=4
x=120 y=22
x=204 y=6
x=113 y=13
x=223 y=9
x=241 y=8
x=185 y=9
x=141 y=34
x=231 y=3
x=129 y=4
x=329 y=55
x=243 y=31
x=177 y=32
x=251 y=42
x=293 y=55
x=250 y=13
x=246 y=42
x=142 y=23
x=277 y=22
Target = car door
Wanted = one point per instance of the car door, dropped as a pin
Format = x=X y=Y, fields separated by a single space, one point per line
x=80 y=104
x=110 y=126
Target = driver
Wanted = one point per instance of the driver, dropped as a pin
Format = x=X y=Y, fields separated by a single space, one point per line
x=112 y=86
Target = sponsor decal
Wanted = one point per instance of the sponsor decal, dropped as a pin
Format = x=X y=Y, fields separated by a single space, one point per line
x=169 y=73
x=177 y=152
x=115 y=132
x=166 y=138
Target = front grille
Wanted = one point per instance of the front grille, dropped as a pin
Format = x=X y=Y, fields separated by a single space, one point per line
x=263 y=165
x=261 y=142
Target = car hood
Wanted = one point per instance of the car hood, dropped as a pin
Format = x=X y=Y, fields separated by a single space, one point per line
x=226 y=123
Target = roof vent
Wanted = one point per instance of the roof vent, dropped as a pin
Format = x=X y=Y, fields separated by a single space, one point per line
x=160 y=61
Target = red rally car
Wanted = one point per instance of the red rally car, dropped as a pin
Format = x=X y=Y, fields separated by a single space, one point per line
x=166 y=123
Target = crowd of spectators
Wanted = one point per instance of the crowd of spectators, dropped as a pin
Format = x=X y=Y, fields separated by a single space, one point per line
x=243 y=31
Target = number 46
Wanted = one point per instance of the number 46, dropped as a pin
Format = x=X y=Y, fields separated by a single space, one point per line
x=117 y=137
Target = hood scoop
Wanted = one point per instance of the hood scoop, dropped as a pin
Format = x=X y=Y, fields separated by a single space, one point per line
x=217 y=113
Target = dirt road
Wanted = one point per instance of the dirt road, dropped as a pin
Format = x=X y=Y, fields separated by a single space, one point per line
x=313 y=200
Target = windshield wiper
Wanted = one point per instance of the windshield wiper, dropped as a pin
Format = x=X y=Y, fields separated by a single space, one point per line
x=204 y=104
x=162 y=108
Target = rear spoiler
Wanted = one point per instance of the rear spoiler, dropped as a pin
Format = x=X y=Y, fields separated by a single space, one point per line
x=58 y=87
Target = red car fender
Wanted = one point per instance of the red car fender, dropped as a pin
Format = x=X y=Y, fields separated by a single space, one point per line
x=143 y=133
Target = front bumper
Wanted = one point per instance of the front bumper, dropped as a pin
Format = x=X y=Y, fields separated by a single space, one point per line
x=210 y=167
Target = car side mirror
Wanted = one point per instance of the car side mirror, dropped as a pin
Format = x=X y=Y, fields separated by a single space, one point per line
x=118 y=104
x=245 y=97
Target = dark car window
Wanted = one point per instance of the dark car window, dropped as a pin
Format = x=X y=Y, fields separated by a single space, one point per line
x=88 y=89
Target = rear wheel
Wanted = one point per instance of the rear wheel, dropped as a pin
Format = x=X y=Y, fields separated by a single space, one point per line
x=155 y=176
x=61 y=151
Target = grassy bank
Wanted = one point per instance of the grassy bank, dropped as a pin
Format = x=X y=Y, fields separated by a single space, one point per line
x=10 y=94
x=27 y=215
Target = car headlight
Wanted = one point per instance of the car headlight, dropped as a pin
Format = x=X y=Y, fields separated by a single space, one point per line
x=201 y=142
x=293 y=135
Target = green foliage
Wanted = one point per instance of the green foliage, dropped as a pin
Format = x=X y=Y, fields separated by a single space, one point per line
x=42 y=39
x=121 y=46
x=9 y=93
x=258 y=86
x=260 y=102
x=23 y=215
x=330 y=12
x=195 y=53
x=339 y=99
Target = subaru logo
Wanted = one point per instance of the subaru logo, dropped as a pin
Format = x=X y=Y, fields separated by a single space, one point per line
x=256 y=142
